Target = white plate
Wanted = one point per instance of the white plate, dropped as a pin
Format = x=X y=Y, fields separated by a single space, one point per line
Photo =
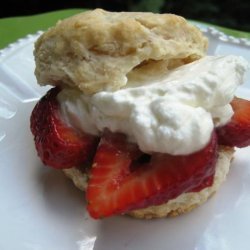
x=41 y=210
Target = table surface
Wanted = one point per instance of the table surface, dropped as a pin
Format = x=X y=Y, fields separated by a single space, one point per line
x=14 y=28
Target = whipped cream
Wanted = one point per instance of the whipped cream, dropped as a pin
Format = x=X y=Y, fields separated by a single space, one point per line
x=173 y=114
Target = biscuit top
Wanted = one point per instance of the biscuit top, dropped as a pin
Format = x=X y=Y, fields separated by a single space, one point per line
x=99 y=50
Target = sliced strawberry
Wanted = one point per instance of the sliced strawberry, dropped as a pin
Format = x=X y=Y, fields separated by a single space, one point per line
x=122 y=179
x=237 y=131
x=57 y=144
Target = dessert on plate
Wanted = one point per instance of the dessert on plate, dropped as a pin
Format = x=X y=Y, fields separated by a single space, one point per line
x=139 y=117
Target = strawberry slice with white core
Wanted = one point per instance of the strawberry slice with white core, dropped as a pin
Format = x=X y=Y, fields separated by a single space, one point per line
x=123 y=179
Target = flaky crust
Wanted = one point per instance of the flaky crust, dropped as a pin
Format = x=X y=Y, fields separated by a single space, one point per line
x=184 y=202
x=99 y=50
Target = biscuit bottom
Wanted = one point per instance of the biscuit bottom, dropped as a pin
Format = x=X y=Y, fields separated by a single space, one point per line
x=184 y=202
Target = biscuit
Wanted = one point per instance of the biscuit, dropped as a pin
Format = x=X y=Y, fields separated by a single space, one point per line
x=184 y=202
x=100 y=50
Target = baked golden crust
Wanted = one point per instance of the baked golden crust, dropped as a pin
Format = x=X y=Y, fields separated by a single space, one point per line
x=183 y=203
x=99 y=50
x=78 y=177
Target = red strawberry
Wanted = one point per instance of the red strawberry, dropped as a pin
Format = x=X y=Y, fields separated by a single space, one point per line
x=237 y=131
x=122 y=179
x=57 y=144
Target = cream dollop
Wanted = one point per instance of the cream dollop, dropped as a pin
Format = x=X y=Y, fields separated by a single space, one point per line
x=174 y=114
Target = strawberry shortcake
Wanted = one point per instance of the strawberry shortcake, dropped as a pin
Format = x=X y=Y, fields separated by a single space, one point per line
x=139 y=117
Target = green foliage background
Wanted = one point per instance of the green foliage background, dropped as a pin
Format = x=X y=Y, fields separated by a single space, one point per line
x=228 y=13
x=233 y=14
